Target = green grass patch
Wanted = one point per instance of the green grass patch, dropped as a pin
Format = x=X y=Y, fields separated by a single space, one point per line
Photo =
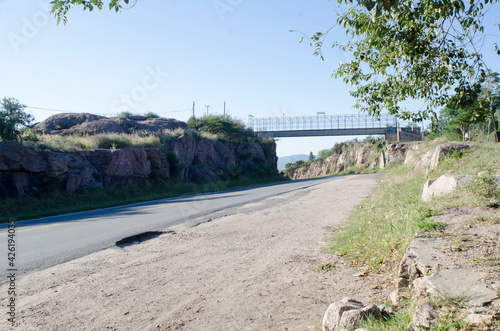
x=57 y=203
x=324 y=267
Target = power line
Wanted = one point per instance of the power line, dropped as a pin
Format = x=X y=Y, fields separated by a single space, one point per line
x=50 y=109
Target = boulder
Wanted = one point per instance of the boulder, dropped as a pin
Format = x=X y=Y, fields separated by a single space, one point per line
x=59 y=122
x=347 y=314
x=83 y=123
x=96 y=127
x=443 y=185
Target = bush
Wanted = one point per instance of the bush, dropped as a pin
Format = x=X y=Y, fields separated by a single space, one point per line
x=12 y=116
x=151 y=115
x=125 y=114
x=223 y=126
x=325 y=153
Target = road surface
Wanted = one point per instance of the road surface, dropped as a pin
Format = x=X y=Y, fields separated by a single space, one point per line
x=45 y=242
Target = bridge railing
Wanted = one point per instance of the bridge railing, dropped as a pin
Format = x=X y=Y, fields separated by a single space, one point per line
x=322 y=122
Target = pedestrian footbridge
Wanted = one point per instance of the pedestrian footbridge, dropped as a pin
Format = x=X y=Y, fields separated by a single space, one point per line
x=334 y=125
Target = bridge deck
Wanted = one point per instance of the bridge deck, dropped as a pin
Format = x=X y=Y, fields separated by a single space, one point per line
x=326 y=132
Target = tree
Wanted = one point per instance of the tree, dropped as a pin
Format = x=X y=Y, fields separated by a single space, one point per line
x=325 y=153
x=311 y=156
x=464 y=118
x=12 y=116
x=425 y=50
x=490 y=98
x=60 y=8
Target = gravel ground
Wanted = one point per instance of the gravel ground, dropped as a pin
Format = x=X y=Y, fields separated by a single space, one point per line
x=253 y=269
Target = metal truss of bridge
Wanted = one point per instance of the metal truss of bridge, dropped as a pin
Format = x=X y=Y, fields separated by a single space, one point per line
x=331 y=125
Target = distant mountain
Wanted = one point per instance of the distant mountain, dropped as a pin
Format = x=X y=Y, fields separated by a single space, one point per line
x=292 y=159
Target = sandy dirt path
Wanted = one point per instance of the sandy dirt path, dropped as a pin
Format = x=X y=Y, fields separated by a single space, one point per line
x=252 y=269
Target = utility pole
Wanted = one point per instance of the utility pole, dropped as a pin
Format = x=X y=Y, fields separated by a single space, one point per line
x=224 y=109
x=193 y=109
x=207 y=109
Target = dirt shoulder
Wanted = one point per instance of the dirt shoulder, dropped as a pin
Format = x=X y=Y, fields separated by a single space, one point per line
x=251 y=270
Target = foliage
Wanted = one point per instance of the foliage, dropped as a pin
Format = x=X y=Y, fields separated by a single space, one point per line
x=60 y=8
x=463 y=118
x=474 y=117
x=12 y=117
x=311 y=156
x=151 y=115
x=325 y=153
x=402 y=50
x=223 y=126
x=374 y=143
x=125 y=114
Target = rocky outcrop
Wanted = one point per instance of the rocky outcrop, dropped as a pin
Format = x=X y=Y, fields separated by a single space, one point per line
x=426 y=161
x=29 y=172
x=360 y=157
x=83 y=123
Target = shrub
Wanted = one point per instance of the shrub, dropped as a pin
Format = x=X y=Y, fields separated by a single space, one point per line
x=223 y=126
x=325 y=153
x=125 y=114
x=151 y=115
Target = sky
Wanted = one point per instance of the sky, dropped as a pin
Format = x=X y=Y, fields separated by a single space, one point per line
x=160 y=56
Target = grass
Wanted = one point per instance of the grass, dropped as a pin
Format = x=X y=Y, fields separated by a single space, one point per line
x=141 y=139
x=381 y=228
x=57 y=203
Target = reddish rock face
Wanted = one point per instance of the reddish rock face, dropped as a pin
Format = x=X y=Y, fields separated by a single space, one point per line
x=25 y=171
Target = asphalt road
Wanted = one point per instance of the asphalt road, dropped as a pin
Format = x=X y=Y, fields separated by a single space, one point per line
x=45 y=242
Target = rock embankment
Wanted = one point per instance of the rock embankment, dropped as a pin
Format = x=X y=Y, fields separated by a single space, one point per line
x=360 y=157
x=29 y=172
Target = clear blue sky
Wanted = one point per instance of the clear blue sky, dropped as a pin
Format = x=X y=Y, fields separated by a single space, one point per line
x=160 y=56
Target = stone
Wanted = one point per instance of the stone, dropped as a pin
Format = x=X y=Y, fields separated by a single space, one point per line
x=478 y=320
x=347 y=314
x=394 y=297
x=424 y=316
x=403 y=282
x=385 y=309
x=407 y=269
x=420 y=288
x=464 y=284
x=422 y=251
x=443 y=185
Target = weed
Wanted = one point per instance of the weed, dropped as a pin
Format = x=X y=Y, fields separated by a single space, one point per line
x=324 y=267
